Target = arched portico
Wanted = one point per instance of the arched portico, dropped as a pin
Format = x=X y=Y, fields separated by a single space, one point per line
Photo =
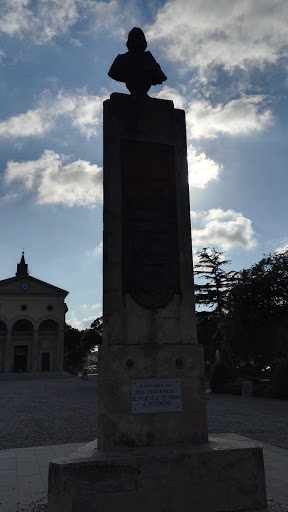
x=30 y=346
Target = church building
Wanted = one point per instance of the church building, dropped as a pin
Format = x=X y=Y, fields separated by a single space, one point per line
x=32 y=320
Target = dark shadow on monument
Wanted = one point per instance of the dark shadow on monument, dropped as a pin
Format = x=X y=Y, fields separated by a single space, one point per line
x=153 y=452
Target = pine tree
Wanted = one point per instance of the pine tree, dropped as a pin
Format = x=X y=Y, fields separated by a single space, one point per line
x=214 y=292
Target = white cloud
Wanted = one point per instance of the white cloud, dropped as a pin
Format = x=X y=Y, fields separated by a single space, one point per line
x=168 y=93
x=89 y=306
x=223 y=229
x=108 y=15
x=40 y=21
x=203 y=34
x=32 y=123
x=280 y=250
x=43 y=20
x=98 y=250
x=8 y=197
x=83 y=323
x=201 y=169
x=82 y=109
x=239 y=116
x=76 y=183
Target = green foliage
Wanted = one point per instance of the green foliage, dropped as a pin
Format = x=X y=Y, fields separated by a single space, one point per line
x=73 y=352
x=77 y=344
x=89 y=339
x=247 y=372
x=263 y=389
x=97 y=325
x=221 y=375
x=207 y=329
x=280 y=379
x=235 y=388
x=213 y=293
x=255 y=326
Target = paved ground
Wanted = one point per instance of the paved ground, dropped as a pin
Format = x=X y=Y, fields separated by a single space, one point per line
x=24 y=476
x=263 y=419
x=42 y=413
x=47 y=411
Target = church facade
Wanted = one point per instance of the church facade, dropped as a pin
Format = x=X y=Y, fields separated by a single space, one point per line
x=32 y=320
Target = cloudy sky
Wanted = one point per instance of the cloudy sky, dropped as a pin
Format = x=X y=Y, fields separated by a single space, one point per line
x=227 y=66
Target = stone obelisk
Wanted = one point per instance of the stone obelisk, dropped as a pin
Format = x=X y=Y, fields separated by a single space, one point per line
x=153 y=452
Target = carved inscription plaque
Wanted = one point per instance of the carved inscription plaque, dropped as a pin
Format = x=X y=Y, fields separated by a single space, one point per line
x=150 y=254
x=155 y=395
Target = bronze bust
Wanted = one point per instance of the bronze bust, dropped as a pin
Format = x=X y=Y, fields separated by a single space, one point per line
x=137 y=68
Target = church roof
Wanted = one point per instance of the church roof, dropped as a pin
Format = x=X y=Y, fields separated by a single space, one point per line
x=24 y=283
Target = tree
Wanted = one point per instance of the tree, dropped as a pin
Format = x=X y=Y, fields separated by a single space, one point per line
x=256 y=323
x=77 y=344
x=90 y=338
x=207 y=333
x=73 y=352
x=97 y=325
x=213 y=293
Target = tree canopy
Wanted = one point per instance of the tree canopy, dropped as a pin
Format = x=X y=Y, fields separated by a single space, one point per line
x=78 y=344
x=247 y=317
x=256 y=324
x=214 y=292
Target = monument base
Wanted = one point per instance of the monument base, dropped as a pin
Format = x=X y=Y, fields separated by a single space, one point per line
x=221 y=475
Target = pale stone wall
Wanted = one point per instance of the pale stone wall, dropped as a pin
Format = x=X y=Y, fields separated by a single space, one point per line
x=10 y=306
x=220 y=475
x=116 y=422
x=36 y=313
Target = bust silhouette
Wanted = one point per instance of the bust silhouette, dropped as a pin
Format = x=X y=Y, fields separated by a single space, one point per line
x=137 y=68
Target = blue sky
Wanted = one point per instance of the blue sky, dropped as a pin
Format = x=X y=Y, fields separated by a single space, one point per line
x=227 y=66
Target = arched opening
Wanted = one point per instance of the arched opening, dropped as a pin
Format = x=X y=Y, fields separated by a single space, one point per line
x=48 y=345
x=3 y=336
x=22 y=339
x=3 y=328
x=48 y=328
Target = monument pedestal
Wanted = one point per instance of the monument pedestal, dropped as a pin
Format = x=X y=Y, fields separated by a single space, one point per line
x=217 y=476
x=141 y=405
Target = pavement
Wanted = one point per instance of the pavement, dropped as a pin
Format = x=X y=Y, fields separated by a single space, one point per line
x=24 y=475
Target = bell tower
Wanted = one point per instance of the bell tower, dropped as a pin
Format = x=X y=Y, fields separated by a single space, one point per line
x=22 y=267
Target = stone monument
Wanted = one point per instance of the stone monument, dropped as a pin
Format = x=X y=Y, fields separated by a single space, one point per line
x=153 y=452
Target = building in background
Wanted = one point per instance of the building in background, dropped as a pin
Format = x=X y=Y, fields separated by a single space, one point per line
x=32 y=320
